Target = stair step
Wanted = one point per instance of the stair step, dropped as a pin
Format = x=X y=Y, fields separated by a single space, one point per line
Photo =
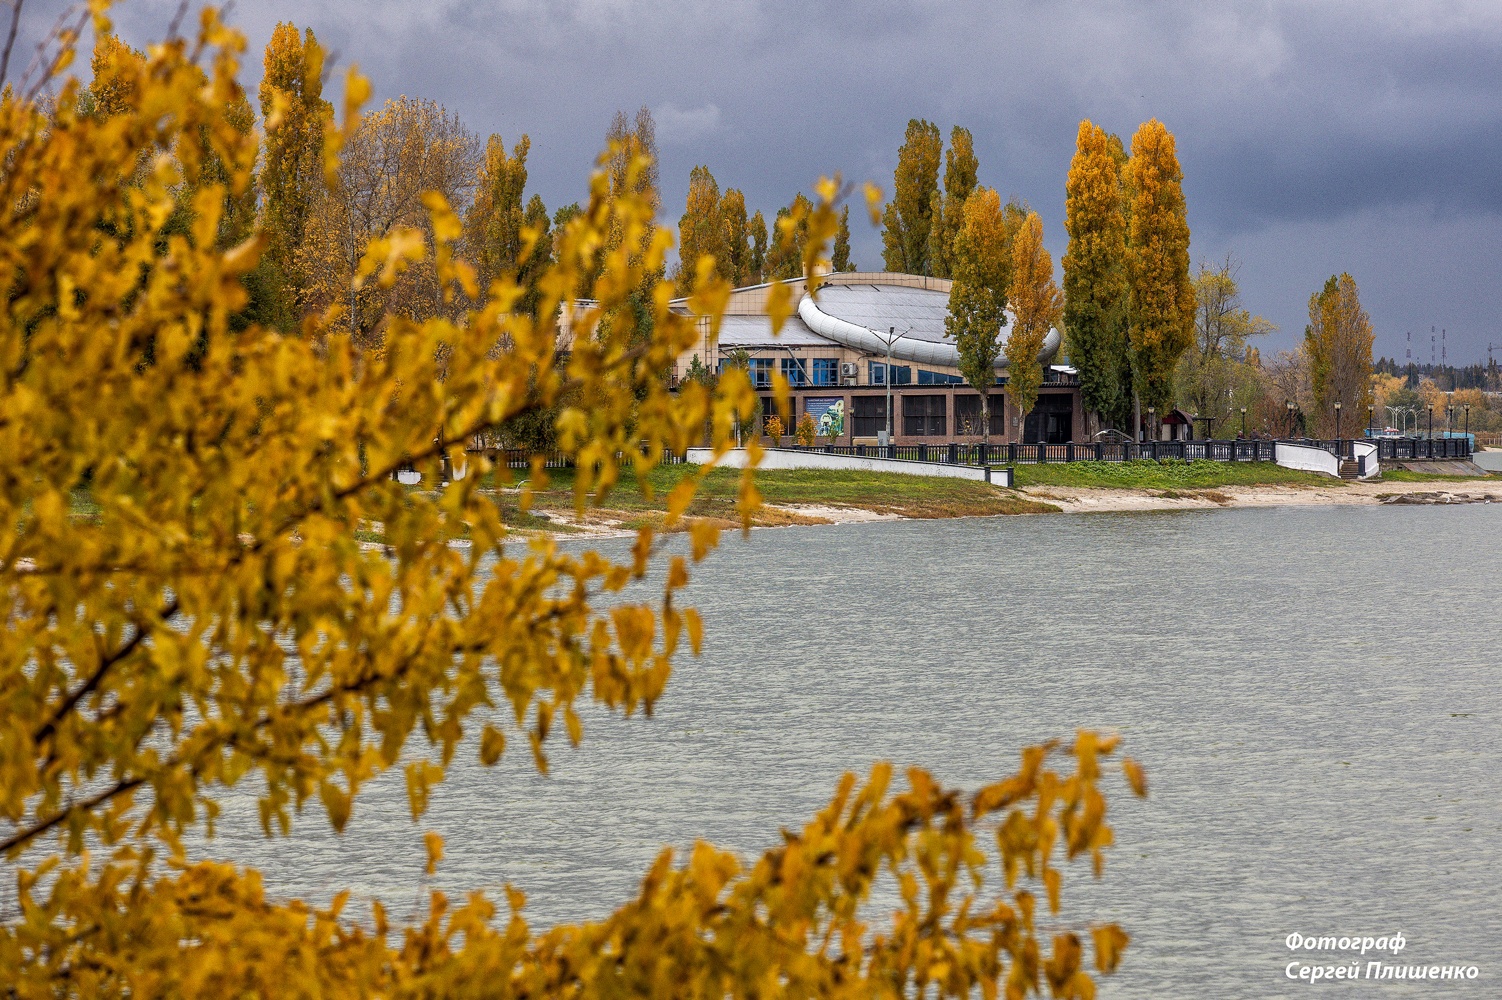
x=1350 y=469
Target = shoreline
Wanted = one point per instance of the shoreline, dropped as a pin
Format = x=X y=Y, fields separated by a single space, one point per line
x=1089 y=500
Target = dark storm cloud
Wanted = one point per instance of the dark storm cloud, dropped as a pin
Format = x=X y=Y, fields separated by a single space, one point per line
x=1310 y=134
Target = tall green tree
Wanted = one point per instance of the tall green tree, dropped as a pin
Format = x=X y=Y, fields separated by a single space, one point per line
x=840 y=258
x=960 y=172
x=1037 y=304
x=1161 y=302
x=1338 y=341
x=978 y=295
x=757 y=232
x=701 y=230
x=1095 y=281
x=909 y=215
x=292 y=174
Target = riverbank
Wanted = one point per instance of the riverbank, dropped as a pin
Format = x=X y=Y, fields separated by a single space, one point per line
x=793 y=497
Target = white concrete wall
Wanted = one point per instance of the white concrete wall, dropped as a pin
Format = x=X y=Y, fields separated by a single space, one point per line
x=1373 y=464
x=1295 y=456
x=782 y=458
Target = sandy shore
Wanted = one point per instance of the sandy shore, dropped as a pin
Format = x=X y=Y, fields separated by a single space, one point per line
x=1078 y=500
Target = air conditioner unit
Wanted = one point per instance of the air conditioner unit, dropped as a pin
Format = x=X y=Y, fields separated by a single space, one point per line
x=849 y=368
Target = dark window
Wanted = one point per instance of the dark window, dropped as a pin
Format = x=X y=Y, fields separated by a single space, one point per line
x=869 y=415
x=901 y=374
x=795 y=371
x=923 y=416
x=1051 y=420
x=967 y=415
x=878 y=373
x=826 y=371
x=926 y=377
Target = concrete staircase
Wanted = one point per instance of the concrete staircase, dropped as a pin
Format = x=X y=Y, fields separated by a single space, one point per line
x=1350 y=469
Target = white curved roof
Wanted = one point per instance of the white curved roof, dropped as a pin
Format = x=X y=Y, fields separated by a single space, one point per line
x=860 y=316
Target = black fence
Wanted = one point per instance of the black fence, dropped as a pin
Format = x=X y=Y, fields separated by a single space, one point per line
x=1013 y=453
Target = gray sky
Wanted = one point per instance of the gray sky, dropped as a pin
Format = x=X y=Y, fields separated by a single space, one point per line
x=1315 y=137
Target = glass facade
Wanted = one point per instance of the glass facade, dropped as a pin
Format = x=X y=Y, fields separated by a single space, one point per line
x=868 y=415
x=967 y=416
x=795 y=370
x=926 y=377
x=826 y=371
x=923 y=416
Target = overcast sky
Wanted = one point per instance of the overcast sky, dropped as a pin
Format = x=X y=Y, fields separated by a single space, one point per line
x=1315 y=137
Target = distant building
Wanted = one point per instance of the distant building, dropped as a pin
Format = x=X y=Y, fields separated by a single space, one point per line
x=833 y=352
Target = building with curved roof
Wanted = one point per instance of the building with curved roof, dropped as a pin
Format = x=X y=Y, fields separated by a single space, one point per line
x=869 y=336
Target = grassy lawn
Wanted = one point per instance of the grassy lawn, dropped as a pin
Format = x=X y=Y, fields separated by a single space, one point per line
x=884 y=492
x=1171 y=475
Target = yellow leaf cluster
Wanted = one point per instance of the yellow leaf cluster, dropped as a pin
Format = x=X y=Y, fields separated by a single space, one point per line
x=189 y=604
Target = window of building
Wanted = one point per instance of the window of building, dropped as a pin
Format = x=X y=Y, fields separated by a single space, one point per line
x=795 y=370
x=923 y=416
x=869 y=415
x=878 y=373
x=1051 y=420
x=761 y=372
x=926 y=377
x=967 y=416
x=900 y=374
x=826 y=371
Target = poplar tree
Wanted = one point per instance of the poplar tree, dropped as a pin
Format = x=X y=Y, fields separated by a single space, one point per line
x=960 y=169
x=978 y=296
x=736 y=236
x=292 y=171
x=493 y=225
x=1095 y=282
x=789 y=236
x=840 y=258
x=757 y=231
x=1036 y=305
x=1338 y=341
x=908 y=217
x=700 y=230
x=1161 y=296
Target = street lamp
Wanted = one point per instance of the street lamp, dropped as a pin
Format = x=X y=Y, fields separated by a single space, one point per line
x=1337 y=421
x=1431 y=423
x=892 y=337
x=1243 y=421
x=1151 y=424
x=1468 y=421
x=1290 y=418
x=1370 y=414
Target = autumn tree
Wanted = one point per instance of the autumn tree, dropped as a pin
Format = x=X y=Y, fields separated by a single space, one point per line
x=189 y=608
x=1160 y=294
x=1338 y=340
x=840 y=256
x=295 y=117
x=948 y=215
x=908 y=217
x=789 y=240
x=392 y=162
x=734 y=225
x=757 y=232
x=1095 y=275
x=1037 y=305
x=502 y=234
x=701 y=231
x=978 y=294
x=1217 y=376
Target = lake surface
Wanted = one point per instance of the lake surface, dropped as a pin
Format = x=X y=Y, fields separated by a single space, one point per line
x=1313 y=691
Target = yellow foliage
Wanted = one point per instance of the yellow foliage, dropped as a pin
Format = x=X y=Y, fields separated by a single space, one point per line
x=188 y=606
x=1037 y=305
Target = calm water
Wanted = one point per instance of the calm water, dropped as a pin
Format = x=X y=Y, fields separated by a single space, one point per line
x=1313 y=691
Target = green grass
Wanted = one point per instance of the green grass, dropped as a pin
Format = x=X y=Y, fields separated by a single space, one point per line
x=1169 y=475
x=885 y=492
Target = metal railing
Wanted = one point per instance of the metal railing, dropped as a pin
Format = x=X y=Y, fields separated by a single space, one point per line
x=1013 y=453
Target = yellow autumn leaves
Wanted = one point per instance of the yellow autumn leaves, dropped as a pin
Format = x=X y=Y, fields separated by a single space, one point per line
x=190 y=606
